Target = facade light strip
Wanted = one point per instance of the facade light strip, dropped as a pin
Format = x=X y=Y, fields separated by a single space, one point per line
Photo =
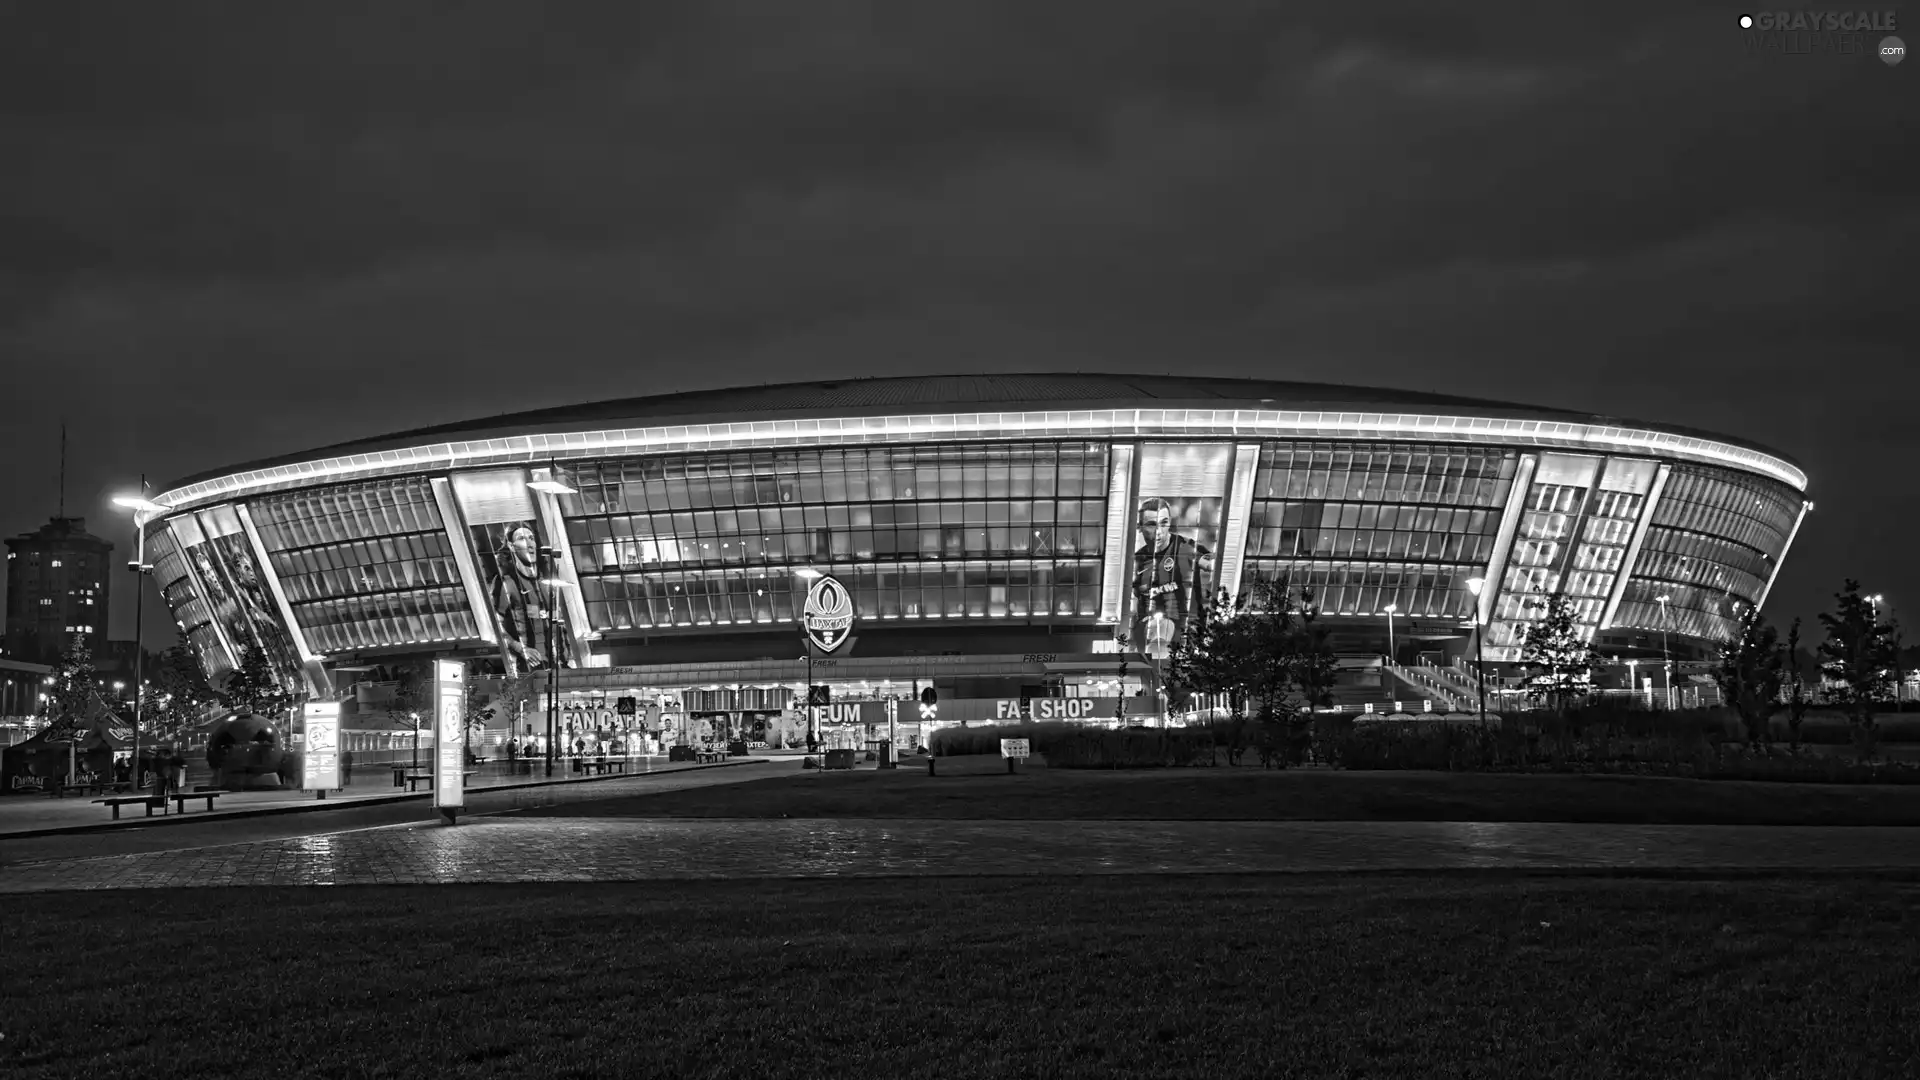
x=1767 y=590
x=1086 y=424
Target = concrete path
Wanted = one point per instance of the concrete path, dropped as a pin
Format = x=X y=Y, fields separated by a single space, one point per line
x=501 y=848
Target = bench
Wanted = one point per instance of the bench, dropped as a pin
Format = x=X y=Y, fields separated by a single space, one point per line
x=600 y=768
x=414 y=779
x=179 y=799
x=117 y=801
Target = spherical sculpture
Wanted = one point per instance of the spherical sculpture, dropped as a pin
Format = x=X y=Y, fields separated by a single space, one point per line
x=244 y=752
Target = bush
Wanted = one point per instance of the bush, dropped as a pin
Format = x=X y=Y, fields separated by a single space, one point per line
x=1689 y=746
x=1084 y=746
x=957 y=742
x=1103 y=748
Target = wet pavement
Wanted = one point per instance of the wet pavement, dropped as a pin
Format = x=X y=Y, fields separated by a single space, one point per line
x=501 y=848
x=28 y=815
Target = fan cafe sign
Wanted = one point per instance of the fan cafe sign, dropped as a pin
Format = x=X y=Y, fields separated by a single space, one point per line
x=827 y=617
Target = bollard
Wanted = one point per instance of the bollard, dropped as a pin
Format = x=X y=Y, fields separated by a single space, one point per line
x=1009 y=766
x=929 y=764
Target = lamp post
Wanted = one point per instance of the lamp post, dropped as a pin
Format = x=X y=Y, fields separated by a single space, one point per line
x=554 y=623
x=1474 y=585
x=1633 y=675
x=140 y=504
x=1666 y=655
x=1392 y=657
x=808 y=573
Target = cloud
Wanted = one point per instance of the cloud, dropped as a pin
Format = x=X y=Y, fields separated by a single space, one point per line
x=292 y=227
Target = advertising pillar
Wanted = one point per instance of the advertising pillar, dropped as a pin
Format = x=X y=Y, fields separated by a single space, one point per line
x=449 y=757
x=320 y=766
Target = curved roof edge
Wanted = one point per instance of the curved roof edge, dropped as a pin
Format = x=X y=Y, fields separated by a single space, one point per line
x=564 y=432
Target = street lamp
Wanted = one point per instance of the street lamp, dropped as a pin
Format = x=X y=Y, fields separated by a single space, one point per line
x=554 y=585
x=1666 y=655
x=1474 y=585
x=139 y=504
x=808 y=573
x=1633 y=675
x=1392 y=657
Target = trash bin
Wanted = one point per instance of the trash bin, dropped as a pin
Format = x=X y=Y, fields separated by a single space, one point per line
x=886 y=753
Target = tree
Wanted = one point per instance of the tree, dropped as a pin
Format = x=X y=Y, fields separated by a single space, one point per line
x=255 y=686
x=1860 y=660
x=409 y=694
x=70 y=698
x=1268 y=654
x=1557 y=653
x=1750 y=672
x=1796 y=695
x=1217 y=658
x=179 y=696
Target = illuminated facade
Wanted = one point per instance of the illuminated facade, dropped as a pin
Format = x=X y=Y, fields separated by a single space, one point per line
x=989 y=527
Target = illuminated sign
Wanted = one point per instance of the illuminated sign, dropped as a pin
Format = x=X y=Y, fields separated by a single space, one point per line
x=449 y=749
x=320 y=765
x=828 y=615
x=1105 y=646
x=929 y=711
x=1050 y=708
x=1013 y=748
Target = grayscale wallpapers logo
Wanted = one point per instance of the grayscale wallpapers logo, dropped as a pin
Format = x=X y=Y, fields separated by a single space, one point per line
x=1839 y=33
x=828 y=614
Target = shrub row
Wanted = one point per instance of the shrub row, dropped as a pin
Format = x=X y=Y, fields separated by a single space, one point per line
x=1509 y=748
x=1068 y=745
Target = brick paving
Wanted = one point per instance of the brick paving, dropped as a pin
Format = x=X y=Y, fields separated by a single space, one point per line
x=546 y=849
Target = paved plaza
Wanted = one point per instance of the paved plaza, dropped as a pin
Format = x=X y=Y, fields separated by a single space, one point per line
x=24 y=815
x=503 y=848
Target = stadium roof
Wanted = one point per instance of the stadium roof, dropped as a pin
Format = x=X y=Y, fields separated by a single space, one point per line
x=946 y=394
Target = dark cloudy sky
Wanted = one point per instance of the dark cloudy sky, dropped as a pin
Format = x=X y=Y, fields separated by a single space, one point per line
x=229 y=231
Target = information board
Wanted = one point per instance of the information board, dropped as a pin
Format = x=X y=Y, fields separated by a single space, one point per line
x=320 y=764
x=1013 y=748
x=449 y=749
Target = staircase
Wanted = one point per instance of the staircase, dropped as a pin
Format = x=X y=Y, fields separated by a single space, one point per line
x=1426 y=682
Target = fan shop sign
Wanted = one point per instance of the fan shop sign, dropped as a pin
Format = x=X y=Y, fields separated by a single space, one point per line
x=1007 y=710
x=1052 y=709
x=600 y=719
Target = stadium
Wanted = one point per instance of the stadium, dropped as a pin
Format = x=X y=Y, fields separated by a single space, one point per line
x=1009 y=540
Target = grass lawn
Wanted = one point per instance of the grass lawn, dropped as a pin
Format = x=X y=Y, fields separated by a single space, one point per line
x=1110 y=977
x=981 y=788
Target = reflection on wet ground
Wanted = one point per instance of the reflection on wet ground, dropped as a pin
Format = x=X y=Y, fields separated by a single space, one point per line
x=505 y=849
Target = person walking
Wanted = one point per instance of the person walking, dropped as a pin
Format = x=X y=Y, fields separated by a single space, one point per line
x=346 y=768
x=162 y=775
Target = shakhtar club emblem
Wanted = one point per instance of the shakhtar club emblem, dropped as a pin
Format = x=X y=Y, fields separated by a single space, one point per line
x=828 y=615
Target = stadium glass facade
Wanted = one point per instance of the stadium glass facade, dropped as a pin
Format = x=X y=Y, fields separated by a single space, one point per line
x=1020 y=525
